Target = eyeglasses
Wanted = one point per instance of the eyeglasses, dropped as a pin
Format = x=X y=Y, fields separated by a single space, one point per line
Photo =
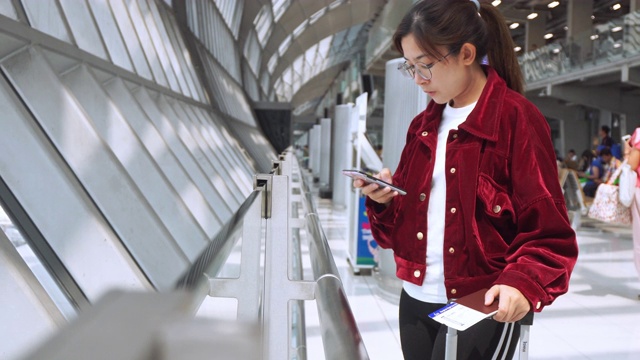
x=424 y=70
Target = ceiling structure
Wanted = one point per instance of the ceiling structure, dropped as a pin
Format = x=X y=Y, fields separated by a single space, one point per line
x=308 y=43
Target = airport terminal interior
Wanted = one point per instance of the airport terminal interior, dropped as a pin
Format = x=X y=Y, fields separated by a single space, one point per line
x=171 y=186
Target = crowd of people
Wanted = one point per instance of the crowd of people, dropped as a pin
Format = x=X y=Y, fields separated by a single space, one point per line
x=600 y=166
x=595 y=167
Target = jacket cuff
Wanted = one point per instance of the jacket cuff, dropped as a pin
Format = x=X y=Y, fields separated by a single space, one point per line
x=536 y=295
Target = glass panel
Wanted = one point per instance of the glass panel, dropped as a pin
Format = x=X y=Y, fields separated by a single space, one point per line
x=184 y=71
x=45 y=16
x=265 y=80
x=82 y=27
x=285 y=45
x=206 y=208
x=263 y=24
x=195 y=148
x=203 y=139
x=279 y=7
x=7 y=9
x=317 y=15
x=253 y=53
x=271 y=65
x=231 y=12
x=145 y=40
x=250 y=82
x=136 y=164
x=131 y=39
x=231 y=95
x=302 y=27
x=215 y=36
x=154 y=25
x=601 y=44
x=110 y=34
x=119 y=201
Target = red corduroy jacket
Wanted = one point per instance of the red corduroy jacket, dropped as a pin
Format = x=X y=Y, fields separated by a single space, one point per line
x=506 y=220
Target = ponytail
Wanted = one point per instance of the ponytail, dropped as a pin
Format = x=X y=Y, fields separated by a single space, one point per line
x=500 y=50
x=453 y=23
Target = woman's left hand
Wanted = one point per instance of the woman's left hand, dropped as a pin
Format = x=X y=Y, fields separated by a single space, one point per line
x=512 y=305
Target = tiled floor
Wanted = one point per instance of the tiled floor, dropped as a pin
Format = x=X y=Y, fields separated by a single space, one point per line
x=599 y=318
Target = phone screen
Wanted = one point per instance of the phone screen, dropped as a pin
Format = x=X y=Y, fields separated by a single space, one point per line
x=359 y=174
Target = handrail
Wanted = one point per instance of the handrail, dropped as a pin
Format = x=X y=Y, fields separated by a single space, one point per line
x=214 y=256
x=264 y=321
x=341 y=336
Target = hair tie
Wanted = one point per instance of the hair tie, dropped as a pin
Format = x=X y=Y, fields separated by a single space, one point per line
x=477 y=4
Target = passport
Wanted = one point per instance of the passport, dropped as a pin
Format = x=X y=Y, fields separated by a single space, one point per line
x=466 y=311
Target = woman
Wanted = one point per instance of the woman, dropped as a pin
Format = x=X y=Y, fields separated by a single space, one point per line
x=484 y=208
x=633 y=159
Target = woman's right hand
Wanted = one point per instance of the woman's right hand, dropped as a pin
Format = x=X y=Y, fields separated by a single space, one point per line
x=374 y=191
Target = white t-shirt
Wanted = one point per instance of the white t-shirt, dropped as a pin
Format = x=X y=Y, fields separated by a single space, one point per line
x=432 y=289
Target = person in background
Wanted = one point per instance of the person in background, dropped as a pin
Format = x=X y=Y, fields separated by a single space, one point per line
x=571 y=160
x=597 y=171
x=605 y=139
x=584 y=166
x=633 y=159
x=610 y=168
x=481 y=213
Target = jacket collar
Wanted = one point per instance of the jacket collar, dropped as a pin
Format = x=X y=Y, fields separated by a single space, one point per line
x=483 y=121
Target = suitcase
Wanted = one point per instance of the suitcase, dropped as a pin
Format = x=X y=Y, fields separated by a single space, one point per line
x=523 y=350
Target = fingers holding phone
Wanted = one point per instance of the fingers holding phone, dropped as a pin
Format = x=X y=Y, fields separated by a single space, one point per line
x=381 y=192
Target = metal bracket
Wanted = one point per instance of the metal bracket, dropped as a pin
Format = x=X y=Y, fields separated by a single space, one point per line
x=265 y=181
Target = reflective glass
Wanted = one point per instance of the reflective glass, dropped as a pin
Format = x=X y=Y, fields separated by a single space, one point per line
x=7 y=9
x=83 y=28
x=45 y=16
x=131 y=40
x=110 y=34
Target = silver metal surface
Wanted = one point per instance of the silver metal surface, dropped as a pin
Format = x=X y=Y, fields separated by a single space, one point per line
x=451 y=349
x=114 y=132
x=78 y=234
x=95 y=166
x=25 y=306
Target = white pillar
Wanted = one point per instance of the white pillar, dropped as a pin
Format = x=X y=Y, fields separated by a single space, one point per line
x=403 y=100
x=342 y=154
x=325 y=153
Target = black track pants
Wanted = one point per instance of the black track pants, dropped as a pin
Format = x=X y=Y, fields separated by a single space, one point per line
x=423 y=338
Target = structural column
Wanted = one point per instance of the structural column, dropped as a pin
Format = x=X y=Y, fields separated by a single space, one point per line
x=535 y=31
x=579 y=26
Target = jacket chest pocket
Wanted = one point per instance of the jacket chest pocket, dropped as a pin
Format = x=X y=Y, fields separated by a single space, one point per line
x=495 y=215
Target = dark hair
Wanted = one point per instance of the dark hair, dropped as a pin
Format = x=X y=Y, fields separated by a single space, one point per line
x=605 y=151
x=588 y=156
x=453 y=23
x=606 y=129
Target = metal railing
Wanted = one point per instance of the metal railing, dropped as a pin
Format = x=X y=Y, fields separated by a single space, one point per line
x=616 y=41
x=162 y=325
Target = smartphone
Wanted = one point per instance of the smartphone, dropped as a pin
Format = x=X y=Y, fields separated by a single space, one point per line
x=359 y=174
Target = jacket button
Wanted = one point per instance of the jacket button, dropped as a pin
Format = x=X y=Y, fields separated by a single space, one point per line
x=423 y=196
x=420 y=236
x=416 y=273
x=425 y=133
x=453 y=170
x=454 y=291
x=455 y=136
x=453 y=210
x=452 y=250
x=496 y=209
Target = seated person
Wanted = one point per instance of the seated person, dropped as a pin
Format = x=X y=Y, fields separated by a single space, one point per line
x=596 y=172
x=571 y=160
x=610 y=169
